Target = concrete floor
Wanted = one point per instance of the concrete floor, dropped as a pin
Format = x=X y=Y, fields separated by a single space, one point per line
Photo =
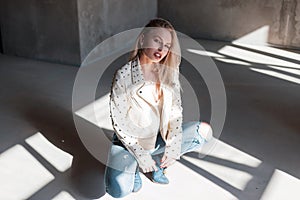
x=255 y=157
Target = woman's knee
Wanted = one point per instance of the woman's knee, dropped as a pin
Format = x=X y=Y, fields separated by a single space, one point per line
x=205 y=130
x=118 y=184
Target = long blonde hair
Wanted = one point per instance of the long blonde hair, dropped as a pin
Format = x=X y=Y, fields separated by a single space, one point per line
x=170 y=72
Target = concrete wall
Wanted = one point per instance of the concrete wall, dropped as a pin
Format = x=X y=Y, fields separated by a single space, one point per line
x=1 y=50
x=65 y=31
x=100 y=19
x=231 y=19
x=285 y=29
x=45 y=30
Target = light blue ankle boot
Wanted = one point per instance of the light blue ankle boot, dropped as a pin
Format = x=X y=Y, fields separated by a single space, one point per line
x=137 y=181
x=159 y=176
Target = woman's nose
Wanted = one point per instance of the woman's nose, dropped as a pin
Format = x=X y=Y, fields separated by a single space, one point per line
x=160 y=48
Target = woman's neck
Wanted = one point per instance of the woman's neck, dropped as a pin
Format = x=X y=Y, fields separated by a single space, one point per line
x=144 y=60
x=149 y=69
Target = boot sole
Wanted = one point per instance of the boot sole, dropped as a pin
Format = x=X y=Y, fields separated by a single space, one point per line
x=159 y=182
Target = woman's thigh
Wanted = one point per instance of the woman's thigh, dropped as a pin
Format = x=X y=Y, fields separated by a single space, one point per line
x=191 y=138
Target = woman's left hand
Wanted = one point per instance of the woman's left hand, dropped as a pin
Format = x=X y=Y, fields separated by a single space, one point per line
x=166 y=161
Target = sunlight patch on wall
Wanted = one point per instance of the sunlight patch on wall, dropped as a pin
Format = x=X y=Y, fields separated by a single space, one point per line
x=257 y=37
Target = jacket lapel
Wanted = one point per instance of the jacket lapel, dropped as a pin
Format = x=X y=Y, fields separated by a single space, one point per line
x=145 y=93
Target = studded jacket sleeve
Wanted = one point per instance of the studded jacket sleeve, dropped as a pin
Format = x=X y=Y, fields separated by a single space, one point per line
x=118 y=109
x=174 y=136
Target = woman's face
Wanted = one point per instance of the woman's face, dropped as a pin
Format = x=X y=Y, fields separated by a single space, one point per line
x=156 y=44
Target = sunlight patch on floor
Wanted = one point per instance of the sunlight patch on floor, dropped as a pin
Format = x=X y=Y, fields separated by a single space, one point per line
x=184 y=184
x=272 y=50
x=277 y=75
x=254 y=57
x=21 y=175
x=232 y=173
x=59 y=159
x=205 y=53
x=239 y=180
x=258 y=40
x=233 y=61
x=97 y=113
x=288 y=70
x=225 y=151
x=63 y=195
x=282 y=186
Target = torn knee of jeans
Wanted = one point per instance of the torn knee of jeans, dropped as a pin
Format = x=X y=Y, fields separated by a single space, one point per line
x=205 y=131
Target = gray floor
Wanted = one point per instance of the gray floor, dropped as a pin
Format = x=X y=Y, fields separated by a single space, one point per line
x=260 y=136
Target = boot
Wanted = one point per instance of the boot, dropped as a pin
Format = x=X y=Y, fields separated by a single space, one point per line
x=137 y=181
x=159 y=176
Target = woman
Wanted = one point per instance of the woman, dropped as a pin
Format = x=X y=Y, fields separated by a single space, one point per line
x=146 y=113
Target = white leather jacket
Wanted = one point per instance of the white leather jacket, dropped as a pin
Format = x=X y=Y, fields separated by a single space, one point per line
x=137 y=117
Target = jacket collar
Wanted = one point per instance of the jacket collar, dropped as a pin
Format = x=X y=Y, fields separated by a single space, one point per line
x=136 y=71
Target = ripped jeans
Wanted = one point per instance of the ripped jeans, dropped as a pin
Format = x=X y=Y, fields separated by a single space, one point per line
x=121 y=166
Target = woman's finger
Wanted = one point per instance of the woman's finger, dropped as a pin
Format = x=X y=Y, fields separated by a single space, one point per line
x=154 y=168
x=164 y=163
x=147 y=170
x=163 y=159
x=167 y=162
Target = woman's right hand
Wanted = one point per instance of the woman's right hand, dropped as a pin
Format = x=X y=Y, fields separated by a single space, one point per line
x=148 y=165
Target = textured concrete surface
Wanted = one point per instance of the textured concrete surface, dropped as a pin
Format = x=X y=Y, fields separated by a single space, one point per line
x=230 y=19
x=43 y=30
x=66 y=31
x=256 y=156
x=99 y=20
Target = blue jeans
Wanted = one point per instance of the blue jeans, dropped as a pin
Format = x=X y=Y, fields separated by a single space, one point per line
x=121 y=166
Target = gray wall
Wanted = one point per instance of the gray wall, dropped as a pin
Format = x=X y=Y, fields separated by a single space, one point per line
x=285 y=29
x=45 y=30
x=100 y=19
x=65 y=31
x=230 y=19
x=1 y=50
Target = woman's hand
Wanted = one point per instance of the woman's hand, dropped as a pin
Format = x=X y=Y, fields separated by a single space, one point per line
x=148 y=166
x=166 y=161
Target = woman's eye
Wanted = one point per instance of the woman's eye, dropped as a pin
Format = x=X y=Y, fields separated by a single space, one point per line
x=168 y=47
x=156 y=40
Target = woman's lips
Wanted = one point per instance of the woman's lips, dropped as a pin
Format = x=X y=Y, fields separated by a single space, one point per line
x=157 y=55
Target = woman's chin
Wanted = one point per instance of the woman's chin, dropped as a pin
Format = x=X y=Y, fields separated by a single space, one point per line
x=156 y=60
